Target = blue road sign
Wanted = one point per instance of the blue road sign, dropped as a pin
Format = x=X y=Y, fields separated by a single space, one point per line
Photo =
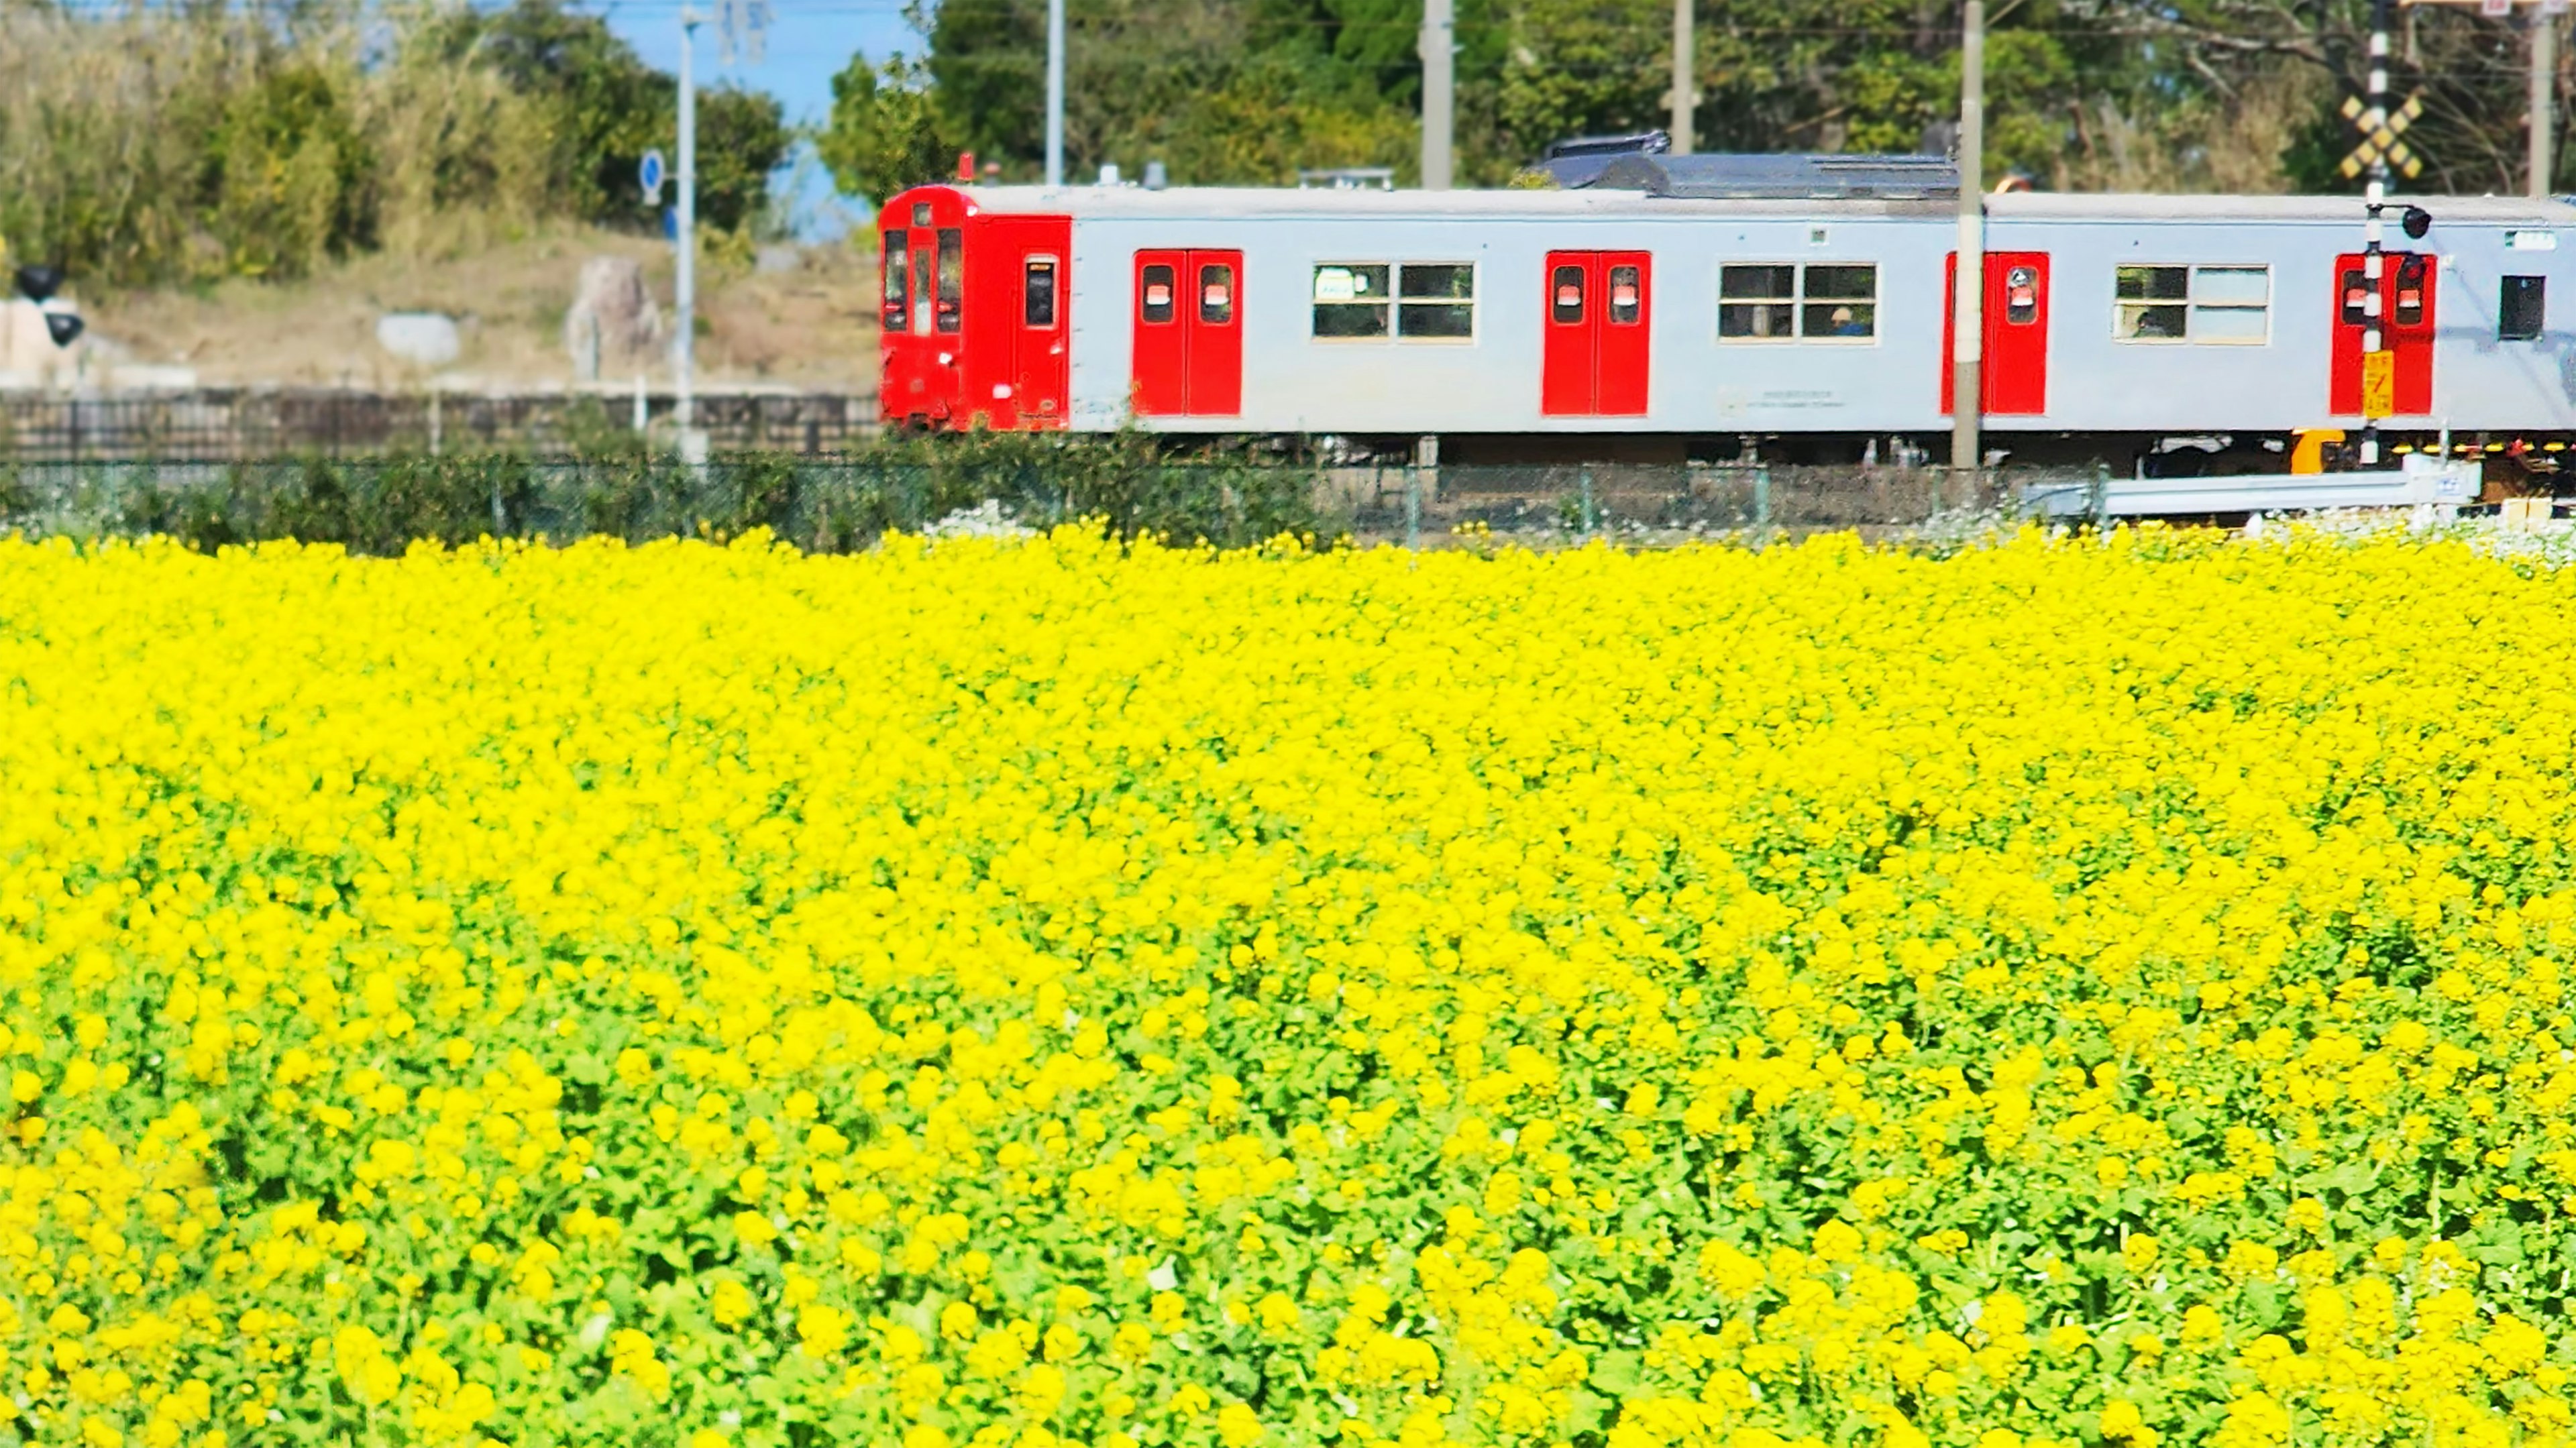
x=650 y=173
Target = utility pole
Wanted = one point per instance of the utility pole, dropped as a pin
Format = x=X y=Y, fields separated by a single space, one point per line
x=1685 y=74
x=1968 y=290
x=1055 y=94
x=2377 y=364
x=1439 y=76
x=2544 y=86
x=685 y=288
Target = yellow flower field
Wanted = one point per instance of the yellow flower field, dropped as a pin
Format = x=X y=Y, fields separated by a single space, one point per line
x=2065 y=993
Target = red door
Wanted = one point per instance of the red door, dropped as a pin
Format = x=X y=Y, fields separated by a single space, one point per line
x=1188 y=358
x=2013 y=369
x=1216 y=333
x=1599 y=308
x=1026 y=302
x=2406 y=285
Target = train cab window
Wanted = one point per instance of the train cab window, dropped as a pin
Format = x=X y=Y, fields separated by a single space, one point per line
x=1627 y=296
x=1351 y=299
x=1838 y=301
x=921 y=289
x=1154 y=293
x=1565 y=295
x=1435 y=301
x=952 y=278
x=1037 y=292
x=921 y=213
x=2356 y=298
x=1756 y=302
x=2192 y=304
x=898 y=260
x=1216 y=294
x=2523 y=311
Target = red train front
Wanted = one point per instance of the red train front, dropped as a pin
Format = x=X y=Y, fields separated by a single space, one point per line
x=977 y=316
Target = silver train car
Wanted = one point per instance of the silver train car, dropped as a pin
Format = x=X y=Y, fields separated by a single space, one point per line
x=1642 y=320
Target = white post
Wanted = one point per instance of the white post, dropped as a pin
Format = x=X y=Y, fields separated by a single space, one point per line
x=1439 y=56
x=1968 y=324
x=1685 y=74
x=1055 y=94
x=2544 y=85
x=685 y=290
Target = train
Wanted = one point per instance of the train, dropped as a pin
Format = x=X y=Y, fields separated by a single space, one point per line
x=1554 y=322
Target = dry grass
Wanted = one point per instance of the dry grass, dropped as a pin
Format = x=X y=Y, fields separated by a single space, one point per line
x=812 y=327
x=2232 y=144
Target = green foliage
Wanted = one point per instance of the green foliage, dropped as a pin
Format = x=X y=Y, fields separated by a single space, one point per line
x=181 y=143
x=608 y=108
x=293 y=170
x=605 y=106
x=742 y=137
x=886 y=132
x=2195 y=95
x=1130 y=485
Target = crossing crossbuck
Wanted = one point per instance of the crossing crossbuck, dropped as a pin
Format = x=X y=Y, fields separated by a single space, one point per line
x=2380 y=136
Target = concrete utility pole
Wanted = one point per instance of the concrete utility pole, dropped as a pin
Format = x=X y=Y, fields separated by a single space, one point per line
x=685 y=288
x=1968 y=325
x=1685 y=74
x=2544 y=98
x=1439 y=77
x=1055 y=94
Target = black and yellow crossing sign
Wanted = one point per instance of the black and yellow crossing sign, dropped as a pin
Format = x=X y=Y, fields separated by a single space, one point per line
x=2379 y=136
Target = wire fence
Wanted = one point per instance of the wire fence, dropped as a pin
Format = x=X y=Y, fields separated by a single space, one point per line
x=247 y=424
x=383 y=504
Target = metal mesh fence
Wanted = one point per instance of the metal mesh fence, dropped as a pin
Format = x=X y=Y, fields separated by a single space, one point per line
x=236 y=424
x=383 y=504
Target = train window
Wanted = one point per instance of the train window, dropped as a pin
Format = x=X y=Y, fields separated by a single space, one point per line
x=1627 y=296
x=1351 y=300
x=1757 y=301
x=1435 y=301
x=2231 y=304
x=2192 y=304
x=1154 y=293
x=921 y=213
x=2523 y=311
x=898 y=257
x=1565 y=295
x=1037 y=292
x=952 y=277
x=921 y=290
x=1216 y=294
x=1838 y=300
x=2151 y=303
x=2356 y=298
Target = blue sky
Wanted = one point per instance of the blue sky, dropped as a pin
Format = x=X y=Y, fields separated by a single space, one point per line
x=809 y=41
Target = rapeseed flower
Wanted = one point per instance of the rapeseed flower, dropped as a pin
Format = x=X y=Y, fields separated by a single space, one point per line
x=1021 y=995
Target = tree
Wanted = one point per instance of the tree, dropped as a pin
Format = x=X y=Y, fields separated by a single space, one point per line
x=743 y=136
x=886 y=130
x=610 y=108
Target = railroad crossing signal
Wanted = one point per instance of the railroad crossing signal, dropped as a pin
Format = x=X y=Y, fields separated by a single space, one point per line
x=2379 y=136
